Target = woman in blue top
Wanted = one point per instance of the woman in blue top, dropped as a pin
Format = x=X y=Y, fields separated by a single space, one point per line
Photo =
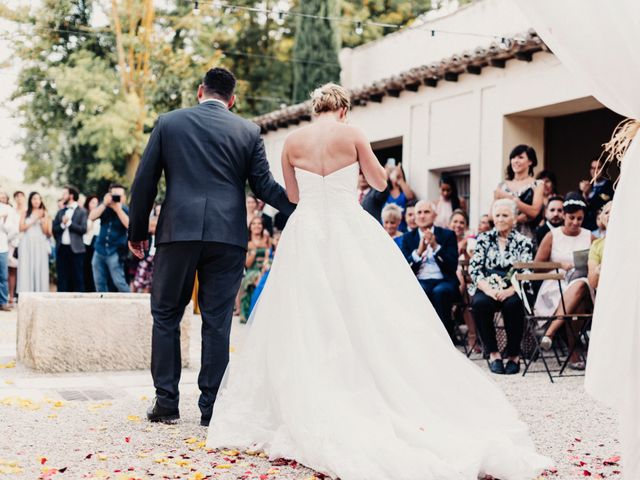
x=399 y=191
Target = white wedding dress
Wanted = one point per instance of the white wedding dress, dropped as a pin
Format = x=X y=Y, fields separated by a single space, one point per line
x=347 y=368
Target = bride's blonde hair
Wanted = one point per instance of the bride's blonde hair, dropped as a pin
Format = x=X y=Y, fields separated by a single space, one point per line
x=330 y=98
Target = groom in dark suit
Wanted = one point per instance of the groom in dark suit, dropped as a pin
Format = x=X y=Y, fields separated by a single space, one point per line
x=207 y=154
x=432 y=253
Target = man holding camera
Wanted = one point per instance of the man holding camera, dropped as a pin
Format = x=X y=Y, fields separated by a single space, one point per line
x=111 y=245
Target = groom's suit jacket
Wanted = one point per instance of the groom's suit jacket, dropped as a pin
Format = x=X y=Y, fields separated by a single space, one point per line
x=207 y=154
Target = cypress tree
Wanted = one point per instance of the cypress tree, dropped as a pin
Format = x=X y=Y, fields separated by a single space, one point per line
x=315 y=50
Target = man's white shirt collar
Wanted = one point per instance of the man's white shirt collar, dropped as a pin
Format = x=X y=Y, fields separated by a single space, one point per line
x=214 y=100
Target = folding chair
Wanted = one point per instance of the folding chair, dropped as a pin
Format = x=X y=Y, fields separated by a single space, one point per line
x=547 y=271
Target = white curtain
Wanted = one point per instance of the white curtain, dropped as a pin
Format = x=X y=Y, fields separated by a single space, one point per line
x=599 y=43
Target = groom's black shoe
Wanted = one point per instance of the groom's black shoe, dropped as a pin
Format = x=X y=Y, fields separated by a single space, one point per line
x=156 y=413
x=204 y=421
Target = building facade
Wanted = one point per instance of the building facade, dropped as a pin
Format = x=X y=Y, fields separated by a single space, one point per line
x=455 y=94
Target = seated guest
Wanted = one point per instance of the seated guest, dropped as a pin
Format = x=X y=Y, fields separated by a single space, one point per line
x=391 y=218
x=553 y=217
x=484 y=225
x=257 y=255
x=432 y=253
x=559 y=246
x=548 y=179
x=448 y=201
x=490 y=269
x=371 y=200
x=596 y=250
x=410 y=216
x=459 y=225
x=601 y=231
x=254 y=209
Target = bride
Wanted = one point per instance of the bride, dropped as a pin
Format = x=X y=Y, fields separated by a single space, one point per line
x=346 y=367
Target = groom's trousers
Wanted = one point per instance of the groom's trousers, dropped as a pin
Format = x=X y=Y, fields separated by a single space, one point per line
x=219 y=267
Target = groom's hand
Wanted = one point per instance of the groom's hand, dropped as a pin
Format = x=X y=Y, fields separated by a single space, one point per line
x=138 y=248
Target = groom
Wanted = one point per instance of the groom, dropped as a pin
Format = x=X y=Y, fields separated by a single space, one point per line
x=207 y=154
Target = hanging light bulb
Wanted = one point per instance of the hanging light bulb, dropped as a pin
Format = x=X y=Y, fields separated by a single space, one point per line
x=280 y=15
x=196 y=8
x=359 y=30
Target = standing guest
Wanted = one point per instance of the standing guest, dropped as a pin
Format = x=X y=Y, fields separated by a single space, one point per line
x=144 y=273
x=391 y=218
x=400 y=192
x=372 y=200
x=521 y=187
x=8 y=229
x=4 y=198
x=254 y=210
x=559 y=246
x=20 y=207
x=548 y=179
x=69 y=225
x=20 y=201
x=491 y=269
x=257 y=255
x=595 y=193
x=410 y=216
x=432 y=253
x=597 y=249
x=111 y=245
x=89 y=239
x=36 y=226
x=554 y=217
x=448 y=201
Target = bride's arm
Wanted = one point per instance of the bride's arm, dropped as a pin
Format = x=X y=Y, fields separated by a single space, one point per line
x=289 y=174
x=374 y=173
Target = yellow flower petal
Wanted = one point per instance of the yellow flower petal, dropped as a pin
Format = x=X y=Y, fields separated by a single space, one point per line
x=133 y=418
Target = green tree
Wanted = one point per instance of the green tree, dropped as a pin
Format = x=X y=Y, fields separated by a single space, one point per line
x=316 y=48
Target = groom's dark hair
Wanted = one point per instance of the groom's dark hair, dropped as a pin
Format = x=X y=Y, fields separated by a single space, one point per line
x=219 y=82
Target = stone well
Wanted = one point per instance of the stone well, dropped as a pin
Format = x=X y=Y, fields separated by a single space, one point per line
x=71 y=332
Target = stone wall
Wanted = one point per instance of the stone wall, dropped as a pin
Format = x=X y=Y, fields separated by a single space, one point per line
x=69 y=332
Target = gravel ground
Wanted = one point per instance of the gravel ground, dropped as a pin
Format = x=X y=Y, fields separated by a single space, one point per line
x=46 y=433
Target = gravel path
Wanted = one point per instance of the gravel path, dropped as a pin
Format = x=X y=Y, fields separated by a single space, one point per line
x=77 y=426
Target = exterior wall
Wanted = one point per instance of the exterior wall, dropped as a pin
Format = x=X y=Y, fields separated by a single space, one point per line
x=473 y=122
x=414 y=46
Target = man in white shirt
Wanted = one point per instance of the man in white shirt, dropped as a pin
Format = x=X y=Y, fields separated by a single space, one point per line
x=8 y=229
x=69 y=226
x=432 y=253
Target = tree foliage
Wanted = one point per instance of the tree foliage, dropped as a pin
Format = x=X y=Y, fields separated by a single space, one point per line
x=89 y=95
x=316 y=48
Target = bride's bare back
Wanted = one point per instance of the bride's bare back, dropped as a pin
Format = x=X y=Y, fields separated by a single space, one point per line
x=326 y=146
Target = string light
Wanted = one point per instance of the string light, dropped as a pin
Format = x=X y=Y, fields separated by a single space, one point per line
x=196 y=8
x=359 y=30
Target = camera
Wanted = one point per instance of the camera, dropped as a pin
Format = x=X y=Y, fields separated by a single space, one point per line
x=116 y=198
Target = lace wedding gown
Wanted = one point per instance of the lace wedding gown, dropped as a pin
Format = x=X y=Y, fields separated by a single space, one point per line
x=347 y=368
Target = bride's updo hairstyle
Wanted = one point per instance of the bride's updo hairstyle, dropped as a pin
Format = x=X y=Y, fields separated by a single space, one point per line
x=330 y=98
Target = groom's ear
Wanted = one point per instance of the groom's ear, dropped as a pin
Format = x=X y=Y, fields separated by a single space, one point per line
x=200 y=91
x=232 y=101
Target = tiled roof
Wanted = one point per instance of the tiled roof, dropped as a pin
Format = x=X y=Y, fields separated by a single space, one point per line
x=520 y=47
